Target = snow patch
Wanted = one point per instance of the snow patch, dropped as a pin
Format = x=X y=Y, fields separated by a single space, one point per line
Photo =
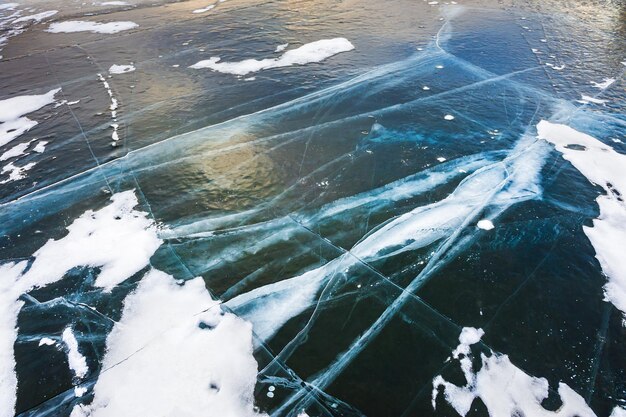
x=40 y=147
x=184 y=356
x=15 y=172
x=311 y=52
x=585 y=99
x=121 y=69
x=503 y=388
x=604 y=84
x=77 y=362
x=17 y=150
x=205 y=9
x=13 y=108
x=116 y=238
x=618 y=412
x=605 y=167
x=485 y=224
x=36 y=17
x=72 y=26
x=281 y=47
x=46 y=341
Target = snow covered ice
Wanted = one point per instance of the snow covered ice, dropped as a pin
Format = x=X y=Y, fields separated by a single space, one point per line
x=241 y=208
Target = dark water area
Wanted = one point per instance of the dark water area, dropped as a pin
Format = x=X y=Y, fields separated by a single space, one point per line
x=335 y=205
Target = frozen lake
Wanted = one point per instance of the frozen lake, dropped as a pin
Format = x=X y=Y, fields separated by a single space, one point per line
x=313 y=208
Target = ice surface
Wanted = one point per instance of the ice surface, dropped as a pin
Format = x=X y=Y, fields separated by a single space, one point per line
x=498 y=185
x=72 y=26
x=311 y=52
x=329 y=206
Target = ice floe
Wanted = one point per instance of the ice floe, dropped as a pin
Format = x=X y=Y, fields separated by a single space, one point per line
x=503 y=388
x=311 y=52
x=114 y=3
x=605 y=167
x=72 y=26
x=175 y=352
x=121 y=69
